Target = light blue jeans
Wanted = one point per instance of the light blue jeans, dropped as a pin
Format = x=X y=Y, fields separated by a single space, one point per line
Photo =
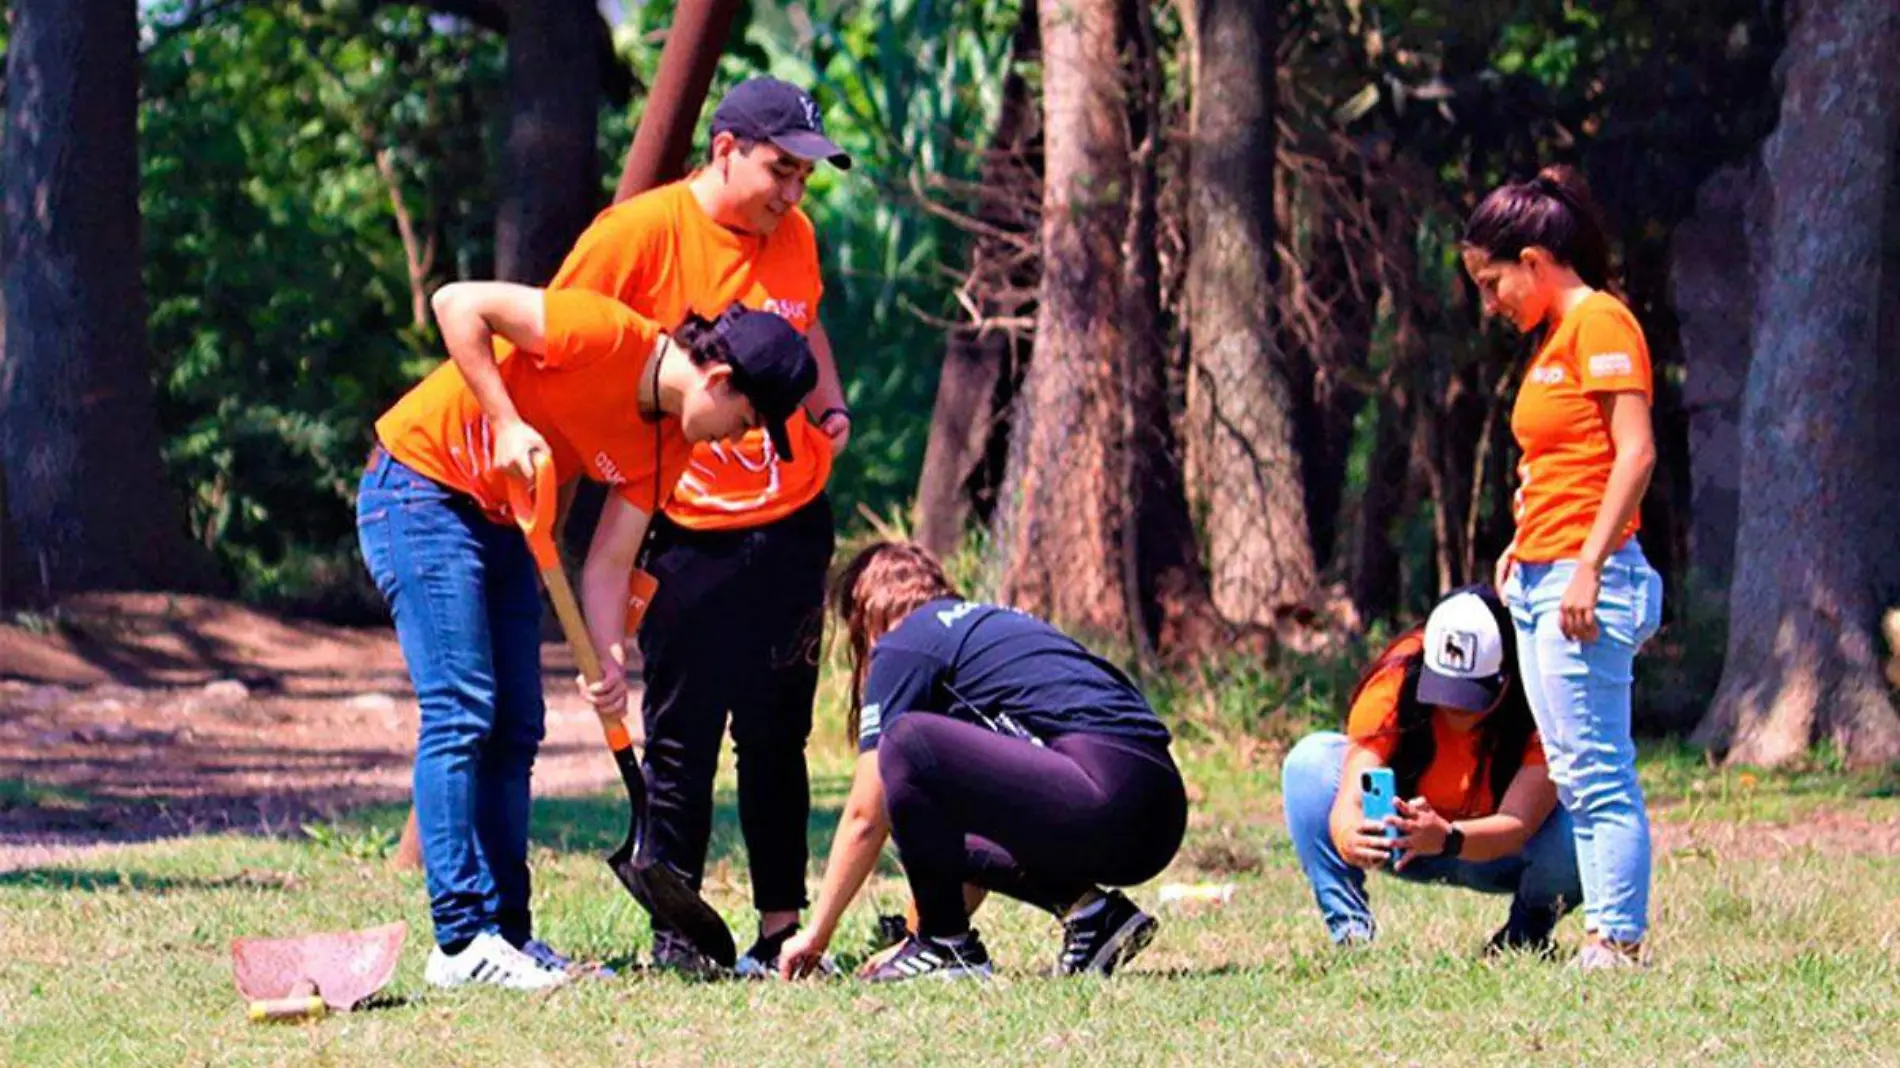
x=1543 y=877
x=1580 y=695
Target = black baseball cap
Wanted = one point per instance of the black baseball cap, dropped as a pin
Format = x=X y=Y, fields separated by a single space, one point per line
x=767 y=109
x=771 y=364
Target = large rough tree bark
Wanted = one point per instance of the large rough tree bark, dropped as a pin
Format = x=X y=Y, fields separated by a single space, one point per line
x=1713 y=256
x=1803 y=655
x=87 y=503
x=983 y=364
x=1177 y=617
x=1064 y=517
x=1240 y=400
x=551 y=166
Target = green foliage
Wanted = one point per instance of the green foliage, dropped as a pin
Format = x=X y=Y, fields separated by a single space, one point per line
x=281 y=310
x=911 y=88
x=357 y=843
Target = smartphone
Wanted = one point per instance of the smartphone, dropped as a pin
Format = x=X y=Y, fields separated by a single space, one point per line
x=1380 y=790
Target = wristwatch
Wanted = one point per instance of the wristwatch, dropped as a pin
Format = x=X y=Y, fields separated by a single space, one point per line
x=1454 y=842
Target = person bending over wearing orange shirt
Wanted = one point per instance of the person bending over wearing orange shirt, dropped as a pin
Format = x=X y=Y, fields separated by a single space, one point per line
x=603 y=393
x=1443 y=708
x=1583 y=597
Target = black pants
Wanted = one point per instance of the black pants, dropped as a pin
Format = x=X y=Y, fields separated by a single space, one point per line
x=1042 y=825
x=734 y=629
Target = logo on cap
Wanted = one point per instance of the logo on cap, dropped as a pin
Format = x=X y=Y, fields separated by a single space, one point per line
x=1459 y=651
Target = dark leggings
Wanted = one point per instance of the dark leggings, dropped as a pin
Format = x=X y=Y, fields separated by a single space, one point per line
x=1042 y=825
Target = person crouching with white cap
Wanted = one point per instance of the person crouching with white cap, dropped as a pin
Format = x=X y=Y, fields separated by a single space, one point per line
x=1441 y=707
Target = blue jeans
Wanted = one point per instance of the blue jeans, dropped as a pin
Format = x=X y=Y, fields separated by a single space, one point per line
x=463 y=592
x=1580 y=695
x=1542 y=878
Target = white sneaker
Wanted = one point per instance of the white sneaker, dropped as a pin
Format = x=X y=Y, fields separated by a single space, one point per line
x=490 y=959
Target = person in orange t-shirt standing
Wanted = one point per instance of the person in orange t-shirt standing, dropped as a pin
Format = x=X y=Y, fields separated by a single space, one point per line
x=1583 y=597
x=741 y=552
x=1444 y=709
x=600 y=391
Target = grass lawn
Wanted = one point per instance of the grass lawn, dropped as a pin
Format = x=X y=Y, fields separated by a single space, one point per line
x=1773 y=947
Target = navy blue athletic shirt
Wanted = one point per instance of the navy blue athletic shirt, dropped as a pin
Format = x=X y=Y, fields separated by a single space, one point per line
x=1001 y=669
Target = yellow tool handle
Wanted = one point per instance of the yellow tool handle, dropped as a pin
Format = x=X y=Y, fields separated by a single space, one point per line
x=287 y=1008
x=582 y=646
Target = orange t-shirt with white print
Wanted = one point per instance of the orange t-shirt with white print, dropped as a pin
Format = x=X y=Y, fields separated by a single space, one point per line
x=1456 y=782
x=1596 y=350
x=662 y=255
x=581 y=394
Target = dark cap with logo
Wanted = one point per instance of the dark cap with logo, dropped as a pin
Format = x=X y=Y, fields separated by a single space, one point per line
x=767 y=109
x=771 y=364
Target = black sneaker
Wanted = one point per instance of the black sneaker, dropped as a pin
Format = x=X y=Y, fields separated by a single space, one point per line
x=1103 y=935
x=674 y=953
x=933 y=958
x=1510 y=939
x=761 y=961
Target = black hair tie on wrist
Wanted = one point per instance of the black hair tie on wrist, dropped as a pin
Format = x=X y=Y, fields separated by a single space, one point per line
x=825 y=416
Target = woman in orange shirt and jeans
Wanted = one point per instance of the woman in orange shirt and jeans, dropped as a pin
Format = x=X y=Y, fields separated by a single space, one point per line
x=1444 y=709
x=1582 y=595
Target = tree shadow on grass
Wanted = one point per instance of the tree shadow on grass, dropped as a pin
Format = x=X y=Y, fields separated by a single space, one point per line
x=598 y=823
x=96 y=880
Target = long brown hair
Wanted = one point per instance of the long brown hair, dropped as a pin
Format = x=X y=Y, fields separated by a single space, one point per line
x=1502 y=734
x=884 y=583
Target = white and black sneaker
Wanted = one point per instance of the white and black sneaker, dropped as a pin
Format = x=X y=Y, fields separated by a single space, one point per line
x=490 y=959
x=1103 y=933
x=924 y=957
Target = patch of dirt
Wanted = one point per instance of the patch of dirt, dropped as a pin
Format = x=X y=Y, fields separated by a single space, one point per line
x=140 y=716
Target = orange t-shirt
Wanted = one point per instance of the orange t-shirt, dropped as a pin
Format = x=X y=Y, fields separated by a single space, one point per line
x=1596 y=350
x=582 y=394
x=1456 y=782
x=663 y=256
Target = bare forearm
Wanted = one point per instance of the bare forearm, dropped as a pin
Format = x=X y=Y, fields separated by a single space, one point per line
x=1622 y=498
x=829 y=392
x=854 y=852
x=603 y=597
x=1492 y=837
x=470 y=339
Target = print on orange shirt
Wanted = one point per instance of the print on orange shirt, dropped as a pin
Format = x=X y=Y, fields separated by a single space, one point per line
x=1597 y=349
x=1456 y=782
x=663 y=256
x=582 y=394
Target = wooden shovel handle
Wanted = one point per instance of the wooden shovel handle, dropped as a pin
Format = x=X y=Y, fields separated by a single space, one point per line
x=533 y=507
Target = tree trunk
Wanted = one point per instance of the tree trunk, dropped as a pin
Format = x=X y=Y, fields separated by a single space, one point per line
x=1064 y=517
x=1177 y=616
x=88 y=503
x=551 y=169
x=1714 y=254
x=1803 y=655
x=983 y=364
x=1240 y=400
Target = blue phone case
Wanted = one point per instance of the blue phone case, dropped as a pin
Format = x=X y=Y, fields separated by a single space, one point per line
x=1380 y=789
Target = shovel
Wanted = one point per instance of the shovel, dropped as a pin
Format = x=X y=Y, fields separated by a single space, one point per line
x=290 y=978
x=657 y=886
